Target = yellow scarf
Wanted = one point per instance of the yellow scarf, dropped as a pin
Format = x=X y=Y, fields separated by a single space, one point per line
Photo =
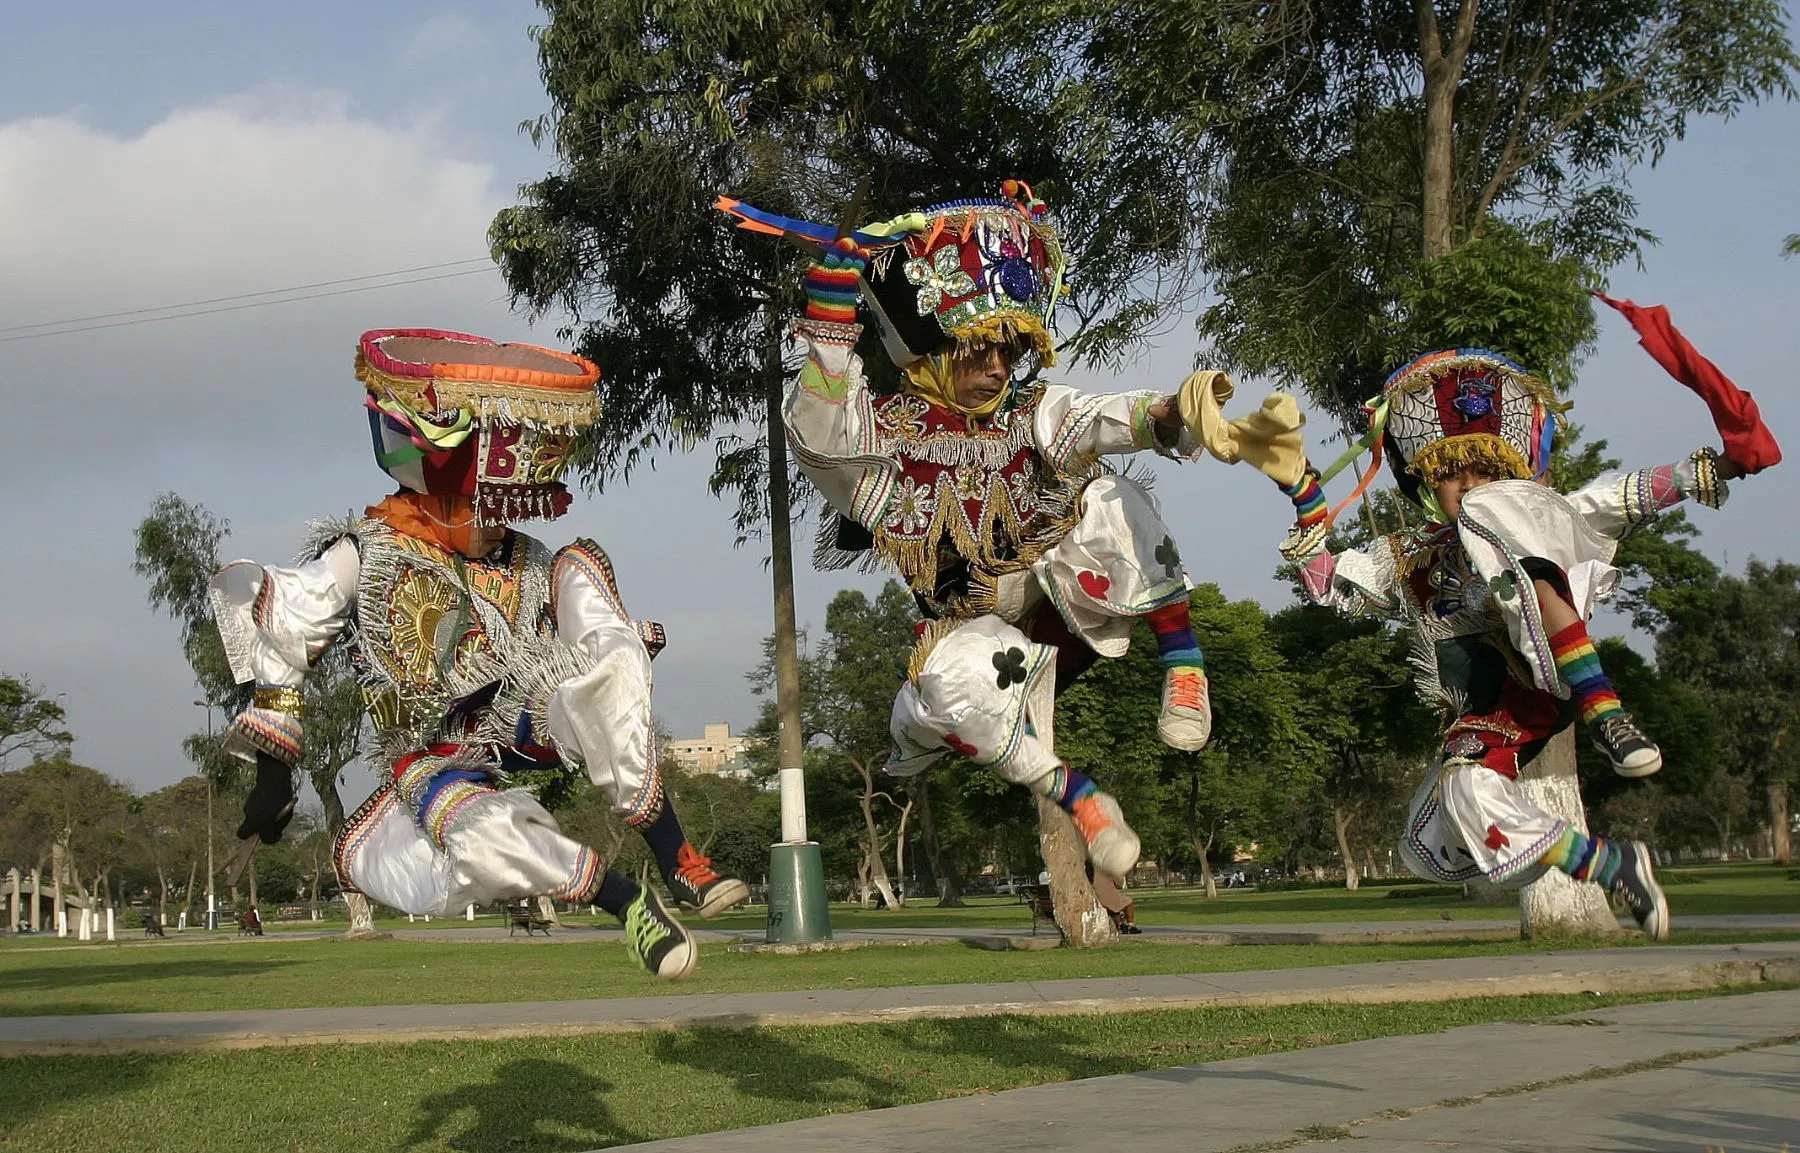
x=932 y=379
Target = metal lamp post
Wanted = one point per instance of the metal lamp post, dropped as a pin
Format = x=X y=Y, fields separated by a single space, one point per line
x=212 y=906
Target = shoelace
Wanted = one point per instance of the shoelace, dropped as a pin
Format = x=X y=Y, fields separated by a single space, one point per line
x=1188 y=691
x=1620 y=727
x=643 y=928
x=693 y=868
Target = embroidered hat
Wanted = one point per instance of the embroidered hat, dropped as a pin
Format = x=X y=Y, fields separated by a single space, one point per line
x=1449 y=410
x=980 y=271
x=459 y=415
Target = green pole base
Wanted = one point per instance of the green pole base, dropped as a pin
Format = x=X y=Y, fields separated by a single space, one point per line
x=798 y=911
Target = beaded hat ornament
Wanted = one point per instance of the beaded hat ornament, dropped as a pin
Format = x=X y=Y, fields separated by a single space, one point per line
x=1450 y=410
x=459 y=415
x=968 y=272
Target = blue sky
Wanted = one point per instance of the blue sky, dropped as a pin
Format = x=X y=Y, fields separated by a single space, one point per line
x=157 y=153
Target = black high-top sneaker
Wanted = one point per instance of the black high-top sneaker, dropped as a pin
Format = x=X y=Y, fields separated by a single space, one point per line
x=697 y=888
x=1622 y=743
x=1635 y=886
x=656 y=940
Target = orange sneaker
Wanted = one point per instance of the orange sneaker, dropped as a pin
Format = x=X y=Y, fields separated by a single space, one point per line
x=696 y=887
x=1185 y=723
x=1111 y=845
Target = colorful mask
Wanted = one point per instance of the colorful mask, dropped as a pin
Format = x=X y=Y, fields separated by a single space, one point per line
x=459 y=415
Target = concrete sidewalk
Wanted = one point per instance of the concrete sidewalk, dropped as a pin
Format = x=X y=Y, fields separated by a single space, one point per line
x=1677 y=1076
x=1658 y=969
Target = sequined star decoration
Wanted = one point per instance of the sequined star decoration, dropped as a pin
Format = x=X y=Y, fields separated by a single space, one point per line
x=941 y=275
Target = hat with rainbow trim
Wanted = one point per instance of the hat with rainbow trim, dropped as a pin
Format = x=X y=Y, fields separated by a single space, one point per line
x=459 y=415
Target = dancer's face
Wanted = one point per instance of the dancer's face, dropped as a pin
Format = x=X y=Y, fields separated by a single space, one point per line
x=1451 y=489
x=981 y=374
x=484 y=539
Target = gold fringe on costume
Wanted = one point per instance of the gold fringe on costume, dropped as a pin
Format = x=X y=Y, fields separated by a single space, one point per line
x=929 y=636
x=1453 y=454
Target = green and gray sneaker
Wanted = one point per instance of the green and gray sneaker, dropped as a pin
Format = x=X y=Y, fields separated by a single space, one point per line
x=656 y=940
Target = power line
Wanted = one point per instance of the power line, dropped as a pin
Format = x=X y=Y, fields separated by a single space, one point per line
x=244 y=295
x=236 y=307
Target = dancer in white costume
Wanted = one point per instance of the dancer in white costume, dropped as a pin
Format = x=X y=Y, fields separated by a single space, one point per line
x=484 y=660
x=1497 y=585
x=1028 y=556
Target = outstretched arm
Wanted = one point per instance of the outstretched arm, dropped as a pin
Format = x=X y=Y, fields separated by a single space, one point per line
x=274 y=623
x=1074 y=429
x=1616 y=504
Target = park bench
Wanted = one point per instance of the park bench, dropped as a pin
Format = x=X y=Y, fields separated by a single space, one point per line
x=1037 y=898
x=525 y=916
x=153 y=926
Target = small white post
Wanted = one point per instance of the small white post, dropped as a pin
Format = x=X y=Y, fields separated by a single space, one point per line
x=471 y=912
x=409 y=918
x=84 y=927
x=181 y=921
x=62 y=921
x=109 y=924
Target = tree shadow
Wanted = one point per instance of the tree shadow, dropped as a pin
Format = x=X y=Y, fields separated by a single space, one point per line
x=762 y=1063
x=767 y=1064
x=44 y=977
x=530 y=1104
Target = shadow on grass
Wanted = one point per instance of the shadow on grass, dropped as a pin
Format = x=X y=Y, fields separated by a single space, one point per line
x=530 y=1104
x=38 y=1086
x=44 y=977
x=770 y=1065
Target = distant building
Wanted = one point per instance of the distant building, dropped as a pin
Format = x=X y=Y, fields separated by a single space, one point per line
x=712 y=753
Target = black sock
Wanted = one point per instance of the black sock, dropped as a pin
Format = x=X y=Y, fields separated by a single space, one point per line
x=665 y=838
x=615 y=892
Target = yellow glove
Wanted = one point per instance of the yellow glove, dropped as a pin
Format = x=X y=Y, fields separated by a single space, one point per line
x=1269 y=438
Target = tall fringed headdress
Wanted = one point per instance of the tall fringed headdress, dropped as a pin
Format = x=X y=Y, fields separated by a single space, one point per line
x=1448 y=410
x=459 y=415
x=968 y=272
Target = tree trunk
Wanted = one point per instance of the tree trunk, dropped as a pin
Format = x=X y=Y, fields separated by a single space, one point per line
x=547 y=910
x=877 y=868
x=1442 y=65
x=1555 y=903
x=1340 y=820
x=187 y=895
x=943 y=869
x=900 y=854
x=789 y=729
x=362 y=916
x=1083 y=920
x=1201 y=848
x=1776 y=791
x=252 y=871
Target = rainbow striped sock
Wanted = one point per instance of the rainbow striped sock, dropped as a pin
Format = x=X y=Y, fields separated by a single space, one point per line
x=1585 y=858
x=1065 y=786
x=1579 y=666
x=1175 y=639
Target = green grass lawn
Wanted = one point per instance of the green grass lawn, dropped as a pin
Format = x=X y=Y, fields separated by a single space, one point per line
x=276 y=974
x=573 y=1093
x=1708 y=890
